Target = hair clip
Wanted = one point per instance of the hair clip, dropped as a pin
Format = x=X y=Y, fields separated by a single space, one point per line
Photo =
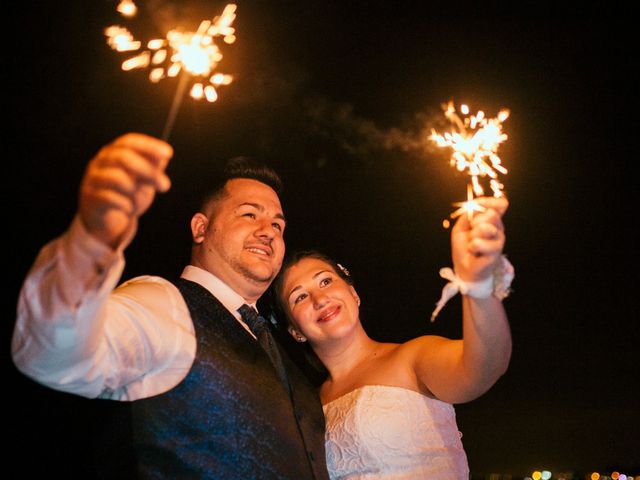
x=344 y=270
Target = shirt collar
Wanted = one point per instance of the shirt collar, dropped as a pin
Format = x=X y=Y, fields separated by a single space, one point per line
x=230 y=299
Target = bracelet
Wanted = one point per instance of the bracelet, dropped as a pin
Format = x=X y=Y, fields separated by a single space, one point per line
x=498 y=285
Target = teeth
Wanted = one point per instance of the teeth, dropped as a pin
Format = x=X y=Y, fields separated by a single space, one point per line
x=328 y=314
x=257 y=250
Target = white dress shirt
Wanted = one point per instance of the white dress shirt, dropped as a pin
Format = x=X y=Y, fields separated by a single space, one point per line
x=77 y=334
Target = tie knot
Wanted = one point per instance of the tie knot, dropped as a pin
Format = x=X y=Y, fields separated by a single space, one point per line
x=251 y=317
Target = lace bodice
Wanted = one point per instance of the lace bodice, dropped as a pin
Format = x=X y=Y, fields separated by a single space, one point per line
x=387 y=432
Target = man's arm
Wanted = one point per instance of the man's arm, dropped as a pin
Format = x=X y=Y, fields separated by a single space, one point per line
x=61 y=337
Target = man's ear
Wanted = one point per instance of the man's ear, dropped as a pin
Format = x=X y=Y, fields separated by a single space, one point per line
x=199 y=224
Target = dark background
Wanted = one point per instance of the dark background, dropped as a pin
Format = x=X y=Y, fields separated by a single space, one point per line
x=334 y=96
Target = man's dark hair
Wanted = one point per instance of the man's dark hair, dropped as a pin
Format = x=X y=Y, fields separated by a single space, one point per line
x=241 y=167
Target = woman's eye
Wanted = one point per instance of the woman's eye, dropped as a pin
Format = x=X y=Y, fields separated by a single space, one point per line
x=299 y=298
x=249 y=215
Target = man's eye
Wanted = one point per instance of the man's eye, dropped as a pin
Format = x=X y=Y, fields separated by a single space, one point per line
x=326 y=281
x=249 y=215
x=277 y=226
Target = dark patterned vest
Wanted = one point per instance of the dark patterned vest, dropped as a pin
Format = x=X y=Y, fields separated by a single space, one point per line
x=230 y=418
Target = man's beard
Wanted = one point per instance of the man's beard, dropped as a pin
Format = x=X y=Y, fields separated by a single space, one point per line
x=252 y=276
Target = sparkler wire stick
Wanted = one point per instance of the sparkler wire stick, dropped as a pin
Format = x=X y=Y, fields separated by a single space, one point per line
x=175 y=106
x=188 y=54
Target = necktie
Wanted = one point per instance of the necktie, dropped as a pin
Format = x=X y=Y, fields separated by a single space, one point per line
x=260 y=329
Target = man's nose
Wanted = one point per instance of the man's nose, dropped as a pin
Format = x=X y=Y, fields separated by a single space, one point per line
x=266 y=229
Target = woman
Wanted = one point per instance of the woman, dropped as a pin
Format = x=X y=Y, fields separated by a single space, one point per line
x=388 y=407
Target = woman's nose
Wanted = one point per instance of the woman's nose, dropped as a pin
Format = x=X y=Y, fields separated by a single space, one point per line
x=320 y=299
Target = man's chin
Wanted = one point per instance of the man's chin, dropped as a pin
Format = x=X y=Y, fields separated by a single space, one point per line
x=261 y=276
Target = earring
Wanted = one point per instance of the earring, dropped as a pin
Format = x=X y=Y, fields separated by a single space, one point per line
x=297 y=335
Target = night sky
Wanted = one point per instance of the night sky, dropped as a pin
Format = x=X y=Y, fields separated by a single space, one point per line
x=334 y=97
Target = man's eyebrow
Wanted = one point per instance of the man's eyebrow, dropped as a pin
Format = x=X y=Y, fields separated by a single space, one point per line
x=257 y=206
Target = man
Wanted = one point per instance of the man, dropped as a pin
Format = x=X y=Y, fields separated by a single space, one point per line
x=208 y=400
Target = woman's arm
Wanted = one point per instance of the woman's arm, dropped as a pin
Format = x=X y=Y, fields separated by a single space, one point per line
x=458 y=371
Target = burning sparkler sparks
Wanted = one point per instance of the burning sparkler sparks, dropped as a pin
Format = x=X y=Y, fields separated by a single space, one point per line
x=127 y=8
x=467 y=207
x=190 y=54
x=474 y=144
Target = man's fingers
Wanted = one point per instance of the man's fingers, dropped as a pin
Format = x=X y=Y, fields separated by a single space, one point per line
x=138 y=166
x=112 y=179
x=106 y=199
x=157 y=151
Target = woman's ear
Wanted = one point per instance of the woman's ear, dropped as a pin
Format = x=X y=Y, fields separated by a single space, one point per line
x=199 y=224
x=355 y=295
x=296 y=335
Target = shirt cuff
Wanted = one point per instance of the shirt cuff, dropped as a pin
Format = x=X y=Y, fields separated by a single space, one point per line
x=84 y=250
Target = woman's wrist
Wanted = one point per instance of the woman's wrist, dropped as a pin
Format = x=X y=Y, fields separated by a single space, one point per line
x=498 y=284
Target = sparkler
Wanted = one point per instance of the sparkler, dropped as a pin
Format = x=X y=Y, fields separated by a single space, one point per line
x=474 y=144
x=127 y=8
x=188 y=54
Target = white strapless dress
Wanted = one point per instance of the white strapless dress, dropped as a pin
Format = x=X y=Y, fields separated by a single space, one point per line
x=382 y=432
